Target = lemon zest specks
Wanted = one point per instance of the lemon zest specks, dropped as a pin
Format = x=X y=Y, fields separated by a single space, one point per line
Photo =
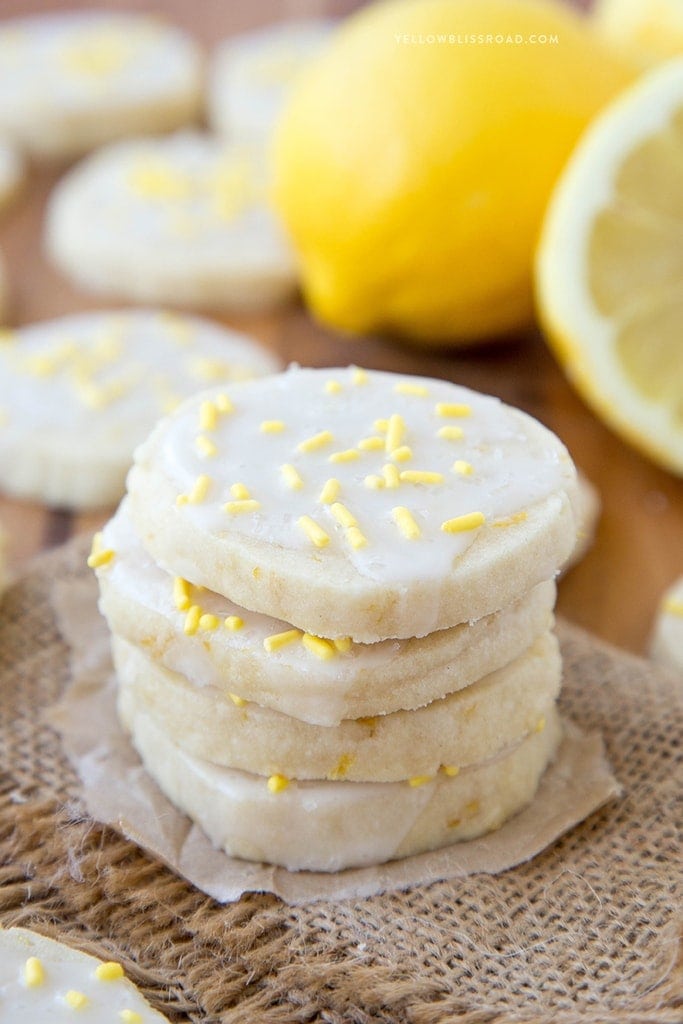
x=457 y=409
x=323 y=649
x=277 y=783
x=451 y=770
x=239 y=702
x=420 y=476
x=317 y=441
x=275 y=641
x=341 y=769
x=461 y=524
x=406 y=523
x=540 y=724
x=313 y=531
x=242 y=506
x=330 y=492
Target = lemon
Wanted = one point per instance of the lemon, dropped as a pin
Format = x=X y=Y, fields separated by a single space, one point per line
x=416 y=155
x=647 y=30
x=610 y=266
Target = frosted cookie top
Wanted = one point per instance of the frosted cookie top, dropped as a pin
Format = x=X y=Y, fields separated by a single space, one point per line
x=361 y=476
x=96 y=382
x=42 y=980
x=63 y=65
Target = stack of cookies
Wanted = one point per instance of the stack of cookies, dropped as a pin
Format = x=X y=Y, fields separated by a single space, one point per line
x=331 y=595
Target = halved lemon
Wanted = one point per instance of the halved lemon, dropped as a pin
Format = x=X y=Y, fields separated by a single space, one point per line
x=648 y=31
x=609 y=269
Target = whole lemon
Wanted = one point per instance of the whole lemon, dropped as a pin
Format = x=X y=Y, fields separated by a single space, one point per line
x=414 y=159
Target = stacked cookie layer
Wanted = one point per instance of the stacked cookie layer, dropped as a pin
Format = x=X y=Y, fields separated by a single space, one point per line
x=331 y=596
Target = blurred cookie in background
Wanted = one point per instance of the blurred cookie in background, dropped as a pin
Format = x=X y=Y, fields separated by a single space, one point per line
x=667 y=640
x=11 y=171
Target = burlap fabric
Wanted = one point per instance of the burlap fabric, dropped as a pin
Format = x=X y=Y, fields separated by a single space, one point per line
x=588 y=931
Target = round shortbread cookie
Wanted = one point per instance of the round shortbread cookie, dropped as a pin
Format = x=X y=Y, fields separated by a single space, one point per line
x=455 y=732
x=70 y=81
x=11 y=172
x=587 y=515
x=355 y=503
x=78 y=393
x=250 y=76
x=3 y=295
x=667 y=640
x=215 y=643
x=182 y=219
x=43 y=980
x=328 y=826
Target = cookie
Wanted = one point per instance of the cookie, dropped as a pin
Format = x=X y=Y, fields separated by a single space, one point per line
x=78 y=393
x=588 y=514
x=218 y=644
x=4 y=299
x=356 y=504
x=44 y=980
x=182 y=219
x=667 y=640
x=70 y=81
x=250 y=76
x=457 y=731
x=4 y=575
x=328 y=826
x=11 y=172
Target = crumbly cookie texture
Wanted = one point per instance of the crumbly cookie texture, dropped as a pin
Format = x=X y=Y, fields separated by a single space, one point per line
x=183 y=218
x=328 y=826
x=216 y=643
x=78 y=393
x=251 y=75
x=70 y=81
x=667 y=641
x=44 y=980
x=356 y=503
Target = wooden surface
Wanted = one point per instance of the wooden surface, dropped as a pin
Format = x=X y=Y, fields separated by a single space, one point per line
x=638 y=550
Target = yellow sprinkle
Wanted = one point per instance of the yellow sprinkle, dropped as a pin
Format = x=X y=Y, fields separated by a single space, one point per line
x=450 y=433
x=277 y=640
x=395 y=432
x=312 y=444
x=420 y=476
x=343 y=644
x=223 y=404
x=333 y=387
x=322 y=649
x=391 y=476
x=239 y=702
x=76 y=1000
x=109 y=971
x=406 y=523
x=208 y=622
x=276 y=783
x=205 y=446
x=462 y=467
x=292 y=477
x=540 y=724
x=371 y=444
x=452 y=409
x=208 y=416
x=315 y=533
x=374 y=482
x=518 y=517
x=419 y=780
x=237 y=508
x=346 y=456
x=451 y=770
x=240 y=491
x=355 y=538
x=369 y=723
x=404 y=388
x=330 y=492
x=340 y=770
x=470 y=521
x=194 y=614
x=130 y=1017
x=99 y=556
x=34 y=972
x=209 y=369
x=181 y=594
x=233 y=623
x=342 y=514
x=360 y=376
x=272 y=427
x=381 y=426
x=672 y=606
x=200 y=489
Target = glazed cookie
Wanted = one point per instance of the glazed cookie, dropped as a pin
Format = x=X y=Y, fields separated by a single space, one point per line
x=70 y=81
x=328 y=826
x=182 y=219
x=44 y=980
x=667 y=641
x=251 y=75
x=11 y=172
x=356 y=504
x=77 y=394
x=457 y=731
x=215 y=643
